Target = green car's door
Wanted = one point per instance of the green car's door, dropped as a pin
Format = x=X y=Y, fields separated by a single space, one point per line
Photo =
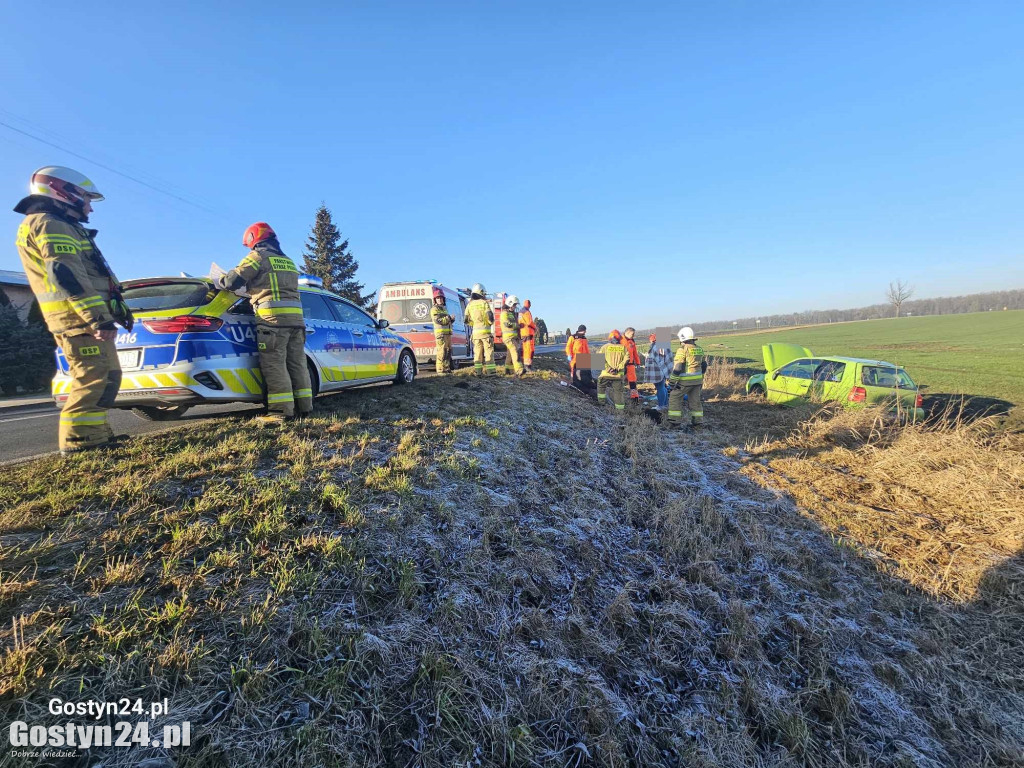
x=828 y=381
x=792 y=383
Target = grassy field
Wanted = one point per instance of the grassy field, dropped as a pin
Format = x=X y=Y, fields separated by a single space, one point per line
x=500 y=573
x=980 y=355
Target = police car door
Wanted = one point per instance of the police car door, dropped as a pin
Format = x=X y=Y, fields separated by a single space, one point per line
x=329 y=342
x=371 y=357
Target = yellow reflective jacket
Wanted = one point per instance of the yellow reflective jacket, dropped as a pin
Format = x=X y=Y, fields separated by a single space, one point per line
x=69 y=276
x=615 y=358
x=480 y=316
x=442 y=320
x=687 y=366
x=509 y=325
x=272 y=280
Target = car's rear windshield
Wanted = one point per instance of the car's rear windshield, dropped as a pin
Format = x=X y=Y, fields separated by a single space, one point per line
x=883 y=376
x=146 y=296
x=398 y=311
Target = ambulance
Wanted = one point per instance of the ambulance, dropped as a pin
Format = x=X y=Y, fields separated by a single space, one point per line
x=406 y=307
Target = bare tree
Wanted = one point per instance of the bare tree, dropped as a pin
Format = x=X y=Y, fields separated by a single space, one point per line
x=898 y=293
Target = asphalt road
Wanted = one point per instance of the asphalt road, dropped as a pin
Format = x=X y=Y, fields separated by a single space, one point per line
x=28 y=433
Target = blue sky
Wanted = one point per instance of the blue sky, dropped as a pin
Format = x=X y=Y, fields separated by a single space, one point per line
x=618 y=163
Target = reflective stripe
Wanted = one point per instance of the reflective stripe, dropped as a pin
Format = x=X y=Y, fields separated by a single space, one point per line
x=249 y=380
x=275 y=311
x=303 y=393
x=55 y=306
x=232 y=381
x=696 y=413
x=89 y=417
x=675 y=413
x=86 y=303
x=280 y=397
x=602 y=396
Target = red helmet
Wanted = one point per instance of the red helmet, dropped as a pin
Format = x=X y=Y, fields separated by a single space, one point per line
x=615 y=336
x=438 y=292
x=257 y=233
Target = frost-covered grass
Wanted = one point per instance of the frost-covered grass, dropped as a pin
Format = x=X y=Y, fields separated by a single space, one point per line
x=491 y=573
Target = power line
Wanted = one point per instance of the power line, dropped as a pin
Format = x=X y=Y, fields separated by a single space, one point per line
x=107 y=168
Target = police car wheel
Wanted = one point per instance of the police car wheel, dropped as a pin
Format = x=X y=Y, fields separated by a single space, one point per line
x=406 y=369
x=160 y=412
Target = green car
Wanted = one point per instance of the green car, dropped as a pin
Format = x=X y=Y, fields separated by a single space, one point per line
x=796 y=375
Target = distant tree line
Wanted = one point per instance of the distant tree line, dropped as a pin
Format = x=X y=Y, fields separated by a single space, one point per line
x=995 y=301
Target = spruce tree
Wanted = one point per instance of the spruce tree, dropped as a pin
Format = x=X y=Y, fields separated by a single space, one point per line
x=327 y=256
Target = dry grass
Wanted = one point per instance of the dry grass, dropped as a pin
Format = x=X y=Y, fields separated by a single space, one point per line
x=491 y=573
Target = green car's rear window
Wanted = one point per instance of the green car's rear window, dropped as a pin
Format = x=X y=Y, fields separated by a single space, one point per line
x=880 y=376
x=147 y=296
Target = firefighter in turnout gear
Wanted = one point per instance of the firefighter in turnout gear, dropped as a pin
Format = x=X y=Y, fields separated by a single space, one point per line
x=442 y=332
x=80 y=298
x=272 y=281
x=527 y=332
x=510 y=335
x=480 y=317
x=612 y=378
x=686 y=380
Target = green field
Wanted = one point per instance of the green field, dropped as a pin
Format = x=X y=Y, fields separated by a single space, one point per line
x=980 y=355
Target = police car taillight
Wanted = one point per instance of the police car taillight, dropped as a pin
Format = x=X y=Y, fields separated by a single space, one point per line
x=182 y=324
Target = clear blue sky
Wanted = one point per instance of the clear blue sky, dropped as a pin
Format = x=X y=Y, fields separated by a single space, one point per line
x=617 y=163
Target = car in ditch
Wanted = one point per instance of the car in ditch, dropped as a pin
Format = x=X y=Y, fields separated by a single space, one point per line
x=795 y=375
x=194 y=344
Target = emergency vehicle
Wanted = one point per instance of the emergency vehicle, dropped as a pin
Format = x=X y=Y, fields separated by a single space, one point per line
x=406 y=307
x=195 y=344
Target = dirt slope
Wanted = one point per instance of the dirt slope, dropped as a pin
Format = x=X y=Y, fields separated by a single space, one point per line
x=483 y=573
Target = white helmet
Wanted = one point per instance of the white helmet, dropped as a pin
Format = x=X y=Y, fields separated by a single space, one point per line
x=685 y=334
x=63 y=184
x=478 y=288
x=511 y=300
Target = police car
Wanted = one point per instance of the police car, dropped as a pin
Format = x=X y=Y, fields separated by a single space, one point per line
x=194 y=344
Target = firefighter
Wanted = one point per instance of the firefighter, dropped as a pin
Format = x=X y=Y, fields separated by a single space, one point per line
x=686 y=380
x=481 y=319
x=616 y=357
x=442 y=332
x=527 y=331
x=510 y=335
x=80 y=298
x=272 y=281
x=634 y=360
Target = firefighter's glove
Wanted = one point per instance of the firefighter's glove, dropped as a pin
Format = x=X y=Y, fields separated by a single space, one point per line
x=121 y=313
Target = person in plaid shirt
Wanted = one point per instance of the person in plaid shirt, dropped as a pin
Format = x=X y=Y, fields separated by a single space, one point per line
x=657 y=367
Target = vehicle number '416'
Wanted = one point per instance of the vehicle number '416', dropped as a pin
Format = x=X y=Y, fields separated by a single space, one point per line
x=126 y=338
